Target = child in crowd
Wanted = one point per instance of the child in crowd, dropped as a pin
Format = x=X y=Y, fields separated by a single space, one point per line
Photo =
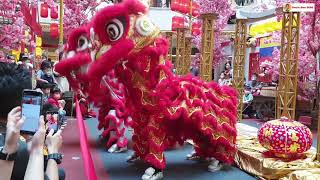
x=247 y=99
x=224 y=80
x=221 y=81
x=45 y=88
x=255 y=85
x=55 y=100
x=45 y=73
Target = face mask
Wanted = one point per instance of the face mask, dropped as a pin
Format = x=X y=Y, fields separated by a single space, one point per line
x=56 y=96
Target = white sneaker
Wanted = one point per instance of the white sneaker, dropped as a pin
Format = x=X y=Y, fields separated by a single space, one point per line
x=190 y=142
x=132 y=158
x=157 y=176
x=150 y=174
x=113 y=148
x=214 y=165
x=193 y=156
x=120 y=150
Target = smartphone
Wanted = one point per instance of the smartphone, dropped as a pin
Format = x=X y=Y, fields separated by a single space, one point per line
x=31 y=109
x=52 y=120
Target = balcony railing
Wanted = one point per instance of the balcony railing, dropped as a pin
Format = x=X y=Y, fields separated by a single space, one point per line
x=244 y=2
x=160 y=3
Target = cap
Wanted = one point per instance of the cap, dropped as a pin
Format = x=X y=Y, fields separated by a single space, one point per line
x=56 y=89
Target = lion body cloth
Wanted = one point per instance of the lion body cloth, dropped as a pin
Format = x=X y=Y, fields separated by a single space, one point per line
x=162 y=108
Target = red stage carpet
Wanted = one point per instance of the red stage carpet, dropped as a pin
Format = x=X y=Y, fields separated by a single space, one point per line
x=72 y=161
x=115 y=166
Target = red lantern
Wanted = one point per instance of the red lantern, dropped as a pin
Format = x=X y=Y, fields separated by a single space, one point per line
x=185 y=6
x=54 y=30
x=195 y=9
x=54 y=12
x=174 y=5
x=285 y=138
x=177 y=22
x=181 y=22
x=196 y=28
x=44 y=10
x=174 y=24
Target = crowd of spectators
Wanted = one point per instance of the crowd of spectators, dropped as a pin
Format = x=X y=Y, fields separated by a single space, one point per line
x=24 y=156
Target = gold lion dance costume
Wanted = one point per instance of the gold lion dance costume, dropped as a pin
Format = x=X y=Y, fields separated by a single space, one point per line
x=165 y=108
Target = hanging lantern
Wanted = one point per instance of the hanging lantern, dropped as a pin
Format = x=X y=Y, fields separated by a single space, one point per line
x=38 y=51
x=180 y=5
x=38 y=41
x=44 y=10
x=54 y=12
x=181 y=22
x=26 y=33
x=54 y=30
x=185 y=6
x=174 y=5
x=195 y=9
x=196 y=28
x=177 y=22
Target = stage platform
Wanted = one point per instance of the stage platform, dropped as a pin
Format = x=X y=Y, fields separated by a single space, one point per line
x=250 y=159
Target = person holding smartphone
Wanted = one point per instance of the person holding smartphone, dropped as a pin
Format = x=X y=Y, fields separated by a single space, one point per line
x=36 y=159
x=13 y=80
x=10 y=147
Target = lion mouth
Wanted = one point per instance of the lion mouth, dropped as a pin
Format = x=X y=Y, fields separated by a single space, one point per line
x=101 y=51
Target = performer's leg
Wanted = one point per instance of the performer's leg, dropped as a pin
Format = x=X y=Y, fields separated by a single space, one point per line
x=117 y=139
x=139 y=138
x=155 y=156
x=122 y=142
x=216 y=149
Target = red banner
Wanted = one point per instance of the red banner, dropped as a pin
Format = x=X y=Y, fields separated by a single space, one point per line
x=31 y=19
x=253 y=64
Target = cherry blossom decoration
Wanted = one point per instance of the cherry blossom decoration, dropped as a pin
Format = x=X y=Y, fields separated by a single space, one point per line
x=76 y=13
x=224 y=11
x=11 y=32
x=309 y=46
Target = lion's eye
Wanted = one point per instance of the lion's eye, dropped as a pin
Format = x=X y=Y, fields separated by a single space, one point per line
x=82 y=43
x=115 y=29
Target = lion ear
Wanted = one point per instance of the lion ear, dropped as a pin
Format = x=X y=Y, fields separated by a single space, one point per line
x=136 y=6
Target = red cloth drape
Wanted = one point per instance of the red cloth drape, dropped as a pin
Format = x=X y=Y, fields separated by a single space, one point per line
x=86 y=155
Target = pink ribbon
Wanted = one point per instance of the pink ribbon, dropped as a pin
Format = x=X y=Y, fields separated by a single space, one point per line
x=86 y=155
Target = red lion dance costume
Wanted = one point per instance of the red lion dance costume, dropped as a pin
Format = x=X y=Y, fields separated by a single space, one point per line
x=165 y=108
x=109 y=96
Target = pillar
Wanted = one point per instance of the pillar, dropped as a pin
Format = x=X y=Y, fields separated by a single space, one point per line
x=207 y=44
x=187 y=55
x=180 y=50
x=288 y=71
x=169 y=36
x=239 y=62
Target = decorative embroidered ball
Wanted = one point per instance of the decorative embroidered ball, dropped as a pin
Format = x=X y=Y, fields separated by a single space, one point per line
x=285 y=138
